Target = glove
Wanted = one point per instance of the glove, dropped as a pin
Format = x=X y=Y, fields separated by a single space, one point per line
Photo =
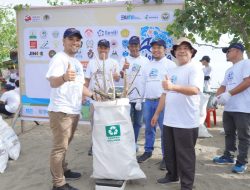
x=138 y=106
x=214 y=101
x=223 y=98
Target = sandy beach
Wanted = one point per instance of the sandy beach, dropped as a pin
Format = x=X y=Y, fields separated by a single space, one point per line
x=31 y=170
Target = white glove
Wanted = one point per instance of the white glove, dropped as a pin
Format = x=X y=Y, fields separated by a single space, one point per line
x=138 y=106
x=223 y=98
x=214 y=101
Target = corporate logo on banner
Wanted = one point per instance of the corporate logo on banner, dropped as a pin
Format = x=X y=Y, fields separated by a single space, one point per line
x=166 y=16
x=149 y=34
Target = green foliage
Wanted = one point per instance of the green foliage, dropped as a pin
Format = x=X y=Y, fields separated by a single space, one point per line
x=8 y=39
x=209 y=19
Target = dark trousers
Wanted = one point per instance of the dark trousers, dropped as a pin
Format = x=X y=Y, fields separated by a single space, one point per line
x=4 y=111
x=180 y=155
x=237 y=124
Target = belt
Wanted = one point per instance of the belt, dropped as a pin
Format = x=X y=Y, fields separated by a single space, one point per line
x=152 y=99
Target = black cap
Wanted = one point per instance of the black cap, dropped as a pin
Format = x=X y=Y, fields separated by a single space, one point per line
x=159 y=42
x=234 y=45
x=134 y=40
x=104 y=43
x=72 y=32
x=205 y=58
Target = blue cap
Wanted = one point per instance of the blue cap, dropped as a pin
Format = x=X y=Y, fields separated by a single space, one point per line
x=104 y=43
x=158 y=42
x=234 y=45
x=134 y=40
x=72 y=32
x=9 y=87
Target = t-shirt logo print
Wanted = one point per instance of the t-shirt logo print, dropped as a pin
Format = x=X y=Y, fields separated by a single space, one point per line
x=174 y=79
x=230 y=76
x=153 y=73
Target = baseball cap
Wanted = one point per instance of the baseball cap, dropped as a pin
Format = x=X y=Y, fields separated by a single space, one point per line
x=234 y=45
x=72 y=32
x=181 y=41
x=134 y=40
x=104 y=43
x=158 y=42
x=9 y=87
x=205 y=58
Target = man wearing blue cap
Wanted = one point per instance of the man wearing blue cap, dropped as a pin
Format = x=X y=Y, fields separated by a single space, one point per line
x=132 y=64
x=66 y=79
x=153 y=74
x=234 y=94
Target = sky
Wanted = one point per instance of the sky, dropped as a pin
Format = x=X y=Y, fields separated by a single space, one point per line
x=218 y=59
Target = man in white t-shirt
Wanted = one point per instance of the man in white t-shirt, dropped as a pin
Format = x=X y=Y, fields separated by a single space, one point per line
x=10 y=100
x=94 y=73
x=153 y=74
x=207 y=69
x=234 y=94
x=132 y=65
x=66 y=79
x=181 y=99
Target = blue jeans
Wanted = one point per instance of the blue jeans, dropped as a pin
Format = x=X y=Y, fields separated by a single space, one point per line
x=149 y=109
x=136 y=117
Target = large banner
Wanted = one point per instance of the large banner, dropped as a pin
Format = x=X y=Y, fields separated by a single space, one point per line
x=40 y=33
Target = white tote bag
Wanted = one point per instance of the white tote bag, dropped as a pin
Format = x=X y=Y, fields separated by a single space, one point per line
x=114 y=152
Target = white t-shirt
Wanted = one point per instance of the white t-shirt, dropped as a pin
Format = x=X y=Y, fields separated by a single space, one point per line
x=66 y=98
x=233 y=77
x=12 y=100
x=182 y=111
x=207 y=70
x=135 y=64
x=96 y=66
x=153 y=74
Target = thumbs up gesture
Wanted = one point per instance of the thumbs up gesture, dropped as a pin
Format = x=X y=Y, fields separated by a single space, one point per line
x=126 y=65
x=116 y=75
x=167 y=84
x=70 y=74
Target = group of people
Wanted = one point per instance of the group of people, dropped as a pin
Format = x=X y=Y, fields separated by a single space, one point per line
x=165 y=94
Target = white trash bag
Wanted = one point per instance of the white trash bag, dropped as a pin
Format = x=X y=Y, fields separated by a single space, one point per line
x=3 y=157
x=114 y=153
x=10 y=140
x=203 y=132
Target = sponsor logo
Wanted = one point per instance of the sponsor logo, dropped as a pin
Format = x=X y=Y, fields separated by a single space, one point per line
x=52 y=53
x=29 y=111
x=43 y=34
x=151 y=17
x=165 y=16
x=45 y=45
x=46 y=17
x=125 y=43
x=101 y=33
x=56 y=44
x=125 y=33
x=113 y=133
x=114 y=44
x=129 y=17
x=34 y=18
x=90 y=54
x=33 y=44
x=88 y=33
x=32 y=35
x=43 y=112
x=125 y=54
x=89 y=44
x=55 y=34
x=36 y=54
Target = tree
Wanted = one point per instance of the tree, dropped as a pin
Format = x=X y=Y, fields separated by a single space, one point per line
x=210 y=19
x=8 y=40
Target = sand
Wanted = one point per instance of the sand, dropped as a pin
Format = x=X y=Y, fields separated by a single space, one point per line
x=31 y=170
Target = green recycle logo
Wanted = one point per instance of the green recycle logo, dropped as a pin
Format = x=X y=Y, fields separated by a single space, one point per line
x=113 y=130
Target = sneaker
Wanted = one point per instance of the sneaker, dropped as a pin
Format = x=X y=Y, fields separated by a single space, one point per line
x=167 y=179
x=69 y=175
x=144 y=157
x=162 y=165
x=64 y=187
x=223 y=160
x=239 y=168
x=90 y=153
